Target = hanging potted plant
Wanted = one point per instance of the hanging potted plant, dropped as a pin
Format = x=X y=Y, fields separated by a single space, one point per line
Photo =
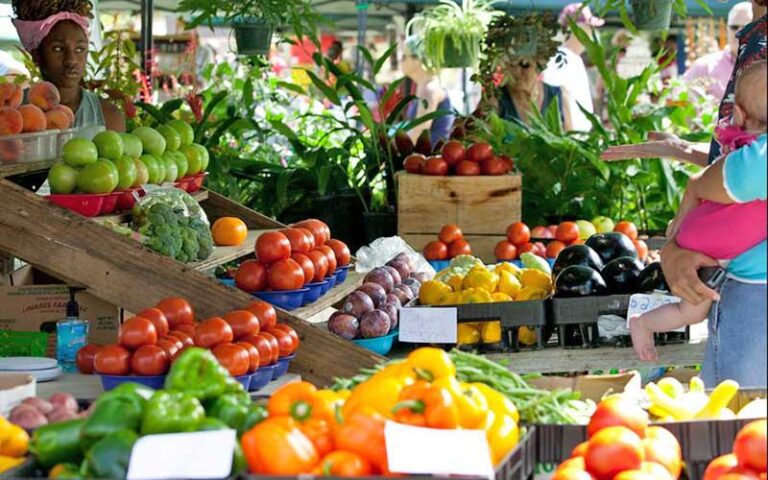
x=650 y=14
x=451 y=33
x=253 y=21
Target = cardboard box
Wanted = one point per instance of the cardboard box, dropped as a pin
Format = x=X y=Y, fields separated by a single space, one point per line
x=592 y=387
x=33 y=302
x=15 y=387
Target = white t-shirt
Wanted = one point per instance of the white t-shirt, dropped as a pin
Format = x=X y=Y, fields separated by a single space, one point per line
x=567 y=71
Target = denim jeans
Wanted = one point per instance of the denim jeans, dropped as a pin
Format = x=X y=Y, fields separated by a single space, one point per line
x=736 y=348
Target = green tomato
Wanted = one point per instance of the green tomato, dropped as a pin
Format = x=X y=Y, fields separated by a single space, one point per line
x=127 y=173
x=194 y=159
x=172 y=137
x=186 y=132
x=62 y=178
x=171 y=169
x=80 y=152
x=152 y=141
x=142 y=173
x=153 y=169
x=99 y=177
x=132 y=145
x=181 y=163
x=109 y=144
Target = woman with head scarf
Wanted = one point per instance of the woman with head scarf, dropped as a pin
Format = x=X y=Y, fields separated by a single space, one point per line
x=55 y=33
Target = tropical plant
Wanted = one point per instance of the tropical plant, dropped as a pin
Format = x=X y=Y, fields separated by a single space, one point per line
x=297 y=15
x=452 y=26
x=112 y=71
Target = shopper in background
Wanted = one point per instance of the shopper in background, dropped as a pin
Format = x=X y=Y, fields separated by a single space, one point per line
x=56 y=35
x=428 y=88
x=567 y=70
x=714 y=70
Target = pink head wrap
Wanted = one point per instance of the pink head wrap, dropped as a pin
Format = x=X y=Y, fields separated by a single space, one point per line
x=32 y=32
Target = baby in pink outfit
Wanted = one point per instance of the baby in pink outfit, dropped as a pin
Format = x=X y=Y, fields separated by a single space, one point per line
x=720 y=231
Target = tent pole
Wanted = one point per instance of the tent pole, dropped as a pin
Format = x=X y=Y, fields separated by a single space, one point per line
x=362 y=30
x=147 y=46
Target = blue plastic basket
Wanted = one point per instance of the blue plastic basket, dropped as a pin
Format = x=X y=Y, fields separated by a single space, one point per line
x=287 y=300
x=315 y=291
x=518 y=263
x=108 y=382
x=381 y=345
x=331 y=279
x=230 y=282
x=261 y=378
x=245 y=381
x=281 y=368
x=439 y=265
x=341 y=274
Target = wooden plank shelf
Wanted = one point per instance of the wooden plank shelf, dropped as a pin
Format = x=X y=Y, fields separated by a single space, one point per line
x=331 y=298
x=223 y=255
x=19 y=168
x=125 y=217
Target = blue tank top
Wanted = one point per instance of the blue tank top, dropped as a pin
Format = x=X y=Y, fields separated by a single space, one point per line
x=508 y=111
x=89 y=114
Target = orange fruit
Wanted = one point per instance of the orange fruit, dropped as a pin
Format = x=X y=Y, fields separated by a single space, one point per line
x=229 y=232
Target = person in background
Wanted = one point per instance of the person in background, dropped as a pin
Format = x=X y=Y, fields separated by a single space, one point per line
x=428 y=88
x=714 y=70
x=56 y=35
x=336 y=54
x=665 y=49
x=566 y=69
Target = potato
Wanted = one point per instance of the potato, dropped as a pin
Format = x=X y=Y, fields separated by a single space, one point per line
x=44 y=406
x=62 y=413
x=27 y=417
x=65 y=400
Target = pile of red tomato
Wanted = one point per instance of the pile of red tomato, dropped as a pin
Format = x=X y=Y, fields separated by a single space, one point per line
x=451 y=244
x=290 y=258
x=456 y=159
x=622 y=446
x=242 y=340
x=748 y=460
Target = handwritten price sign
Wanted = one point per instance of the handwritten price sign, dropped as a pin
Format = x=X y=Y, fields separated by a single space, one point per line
x=428 y=325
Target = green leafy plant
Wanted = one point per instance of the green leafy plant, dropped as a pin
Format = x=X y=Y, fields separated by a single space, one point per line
x=679 y=6
x=450 y=25
x=112 y=72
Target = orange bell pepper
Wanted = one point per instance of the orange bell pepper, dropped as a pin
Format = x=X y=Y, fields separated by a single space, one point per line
x=276 y=446
x=299 y=400
x=426 y=405
x=378 y=393
x=319 y=432
x=363 y=433
x=343 y=464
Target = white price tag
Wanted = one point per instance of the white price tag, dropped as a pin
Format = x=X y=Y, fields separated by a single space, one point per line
x=428 y=325
x=199 y=455
x=640 y=304
x=427 y=451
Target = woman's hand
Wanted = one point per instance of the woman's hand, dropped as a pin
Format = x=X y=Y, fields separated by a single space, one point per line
x=681 y=270
x=660 y=145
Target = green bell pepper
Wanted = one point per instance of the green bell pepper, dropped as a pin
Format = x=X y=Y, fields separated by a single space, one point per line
x=172 y=412
x=66 y=471
x=197 y=373
x=113 y=412
x=110 y=456
x=239 y=464
x=256 y=414
x=142 y=391
x=229 y=409
x=57 y=443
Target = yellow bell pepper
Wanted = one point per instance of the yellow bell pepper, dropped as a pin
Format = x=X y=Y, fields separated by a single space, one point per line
x=455 y=282
x=481 y=278
x=451 y=299
x=531 y=293
x=468 y=334
x=497 y=402
x=476 y=295
x=14 y=440
x=378 y=394
x=503 y=434
x=526 y=336
x=719 y=399
x=431 y=291
x=431 y=364
x=507 y=267
x=471 y=403
x=7 y=463
x=533 y=278
x=509 y=284
x=500 y=297
x=491 y=332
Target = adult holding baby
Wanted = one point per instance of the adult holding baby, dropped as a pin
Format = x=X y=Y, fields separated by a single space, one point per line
x=55 y=33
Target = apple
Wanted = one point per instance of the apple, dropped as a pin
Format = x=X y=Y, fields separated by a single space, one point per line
x=80 y=152
x=62 y=178
x=603 y=224
x=99 y=177
x=586 y=229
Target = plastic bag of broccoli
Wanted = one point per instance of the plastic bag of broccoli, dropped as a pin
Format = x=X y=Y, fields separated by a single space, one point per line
x=173 y=224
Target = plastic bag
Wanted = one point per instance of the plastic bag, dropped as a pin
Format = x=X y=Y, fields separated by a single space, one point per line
x=382 y=250
x=178 y=199
x=611 y=326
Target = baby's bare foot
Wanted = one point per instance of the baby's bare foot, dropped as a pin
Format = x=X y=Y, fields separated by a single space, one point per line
x=642 y=340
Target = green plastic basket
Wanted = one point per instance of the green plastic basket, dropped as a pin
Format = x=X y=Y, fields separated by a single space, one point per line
x=652 y=14
x=253 y=37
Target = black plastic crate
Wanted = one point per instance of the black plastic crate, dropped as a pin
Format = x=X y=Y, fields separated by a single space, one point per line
x=576 y=318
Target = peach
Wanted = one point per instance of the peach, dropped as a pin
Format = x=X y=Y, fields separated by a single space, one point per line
x=68 y=111
x=34 y=119
x=57 y=120
x=44 y=95
x=11 y=121
x=10 y=150
x=11 y=95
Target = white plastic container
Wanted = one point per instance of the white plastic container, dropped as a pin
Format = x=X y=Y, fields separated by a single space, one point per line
x=29 y=147
x=78 y=132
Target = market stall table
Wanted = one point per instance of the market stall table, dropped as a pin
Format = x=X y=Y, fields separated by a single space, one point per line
x=88 y=387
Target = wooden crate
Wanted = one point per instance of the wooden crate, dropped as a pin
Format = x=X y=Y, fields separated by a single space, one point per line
x=483 y=207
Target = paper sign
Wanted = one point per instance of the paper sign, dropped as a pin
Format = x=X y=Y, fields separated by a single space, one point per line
x=428 y=325
x=427 y=451
x=641 y=303
x=199 y=455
